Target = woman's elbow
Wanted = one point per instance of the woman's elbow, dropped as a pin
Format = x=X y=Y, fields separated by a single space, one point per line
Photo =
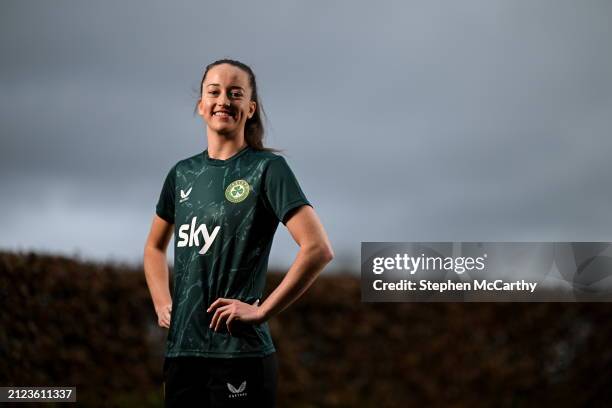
x=328 y=253
x=323 y=253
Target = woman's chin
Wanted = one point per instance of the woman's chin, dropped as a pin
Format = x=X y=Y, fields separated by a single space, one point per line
x=227 y=131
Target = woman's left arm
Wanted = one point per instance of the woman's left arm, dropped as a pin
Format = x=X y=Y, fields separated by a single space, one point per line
x=315 y=252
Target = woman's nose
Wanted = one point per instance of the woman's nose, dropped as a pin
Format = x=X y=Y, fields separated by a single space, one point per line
x=224 y=100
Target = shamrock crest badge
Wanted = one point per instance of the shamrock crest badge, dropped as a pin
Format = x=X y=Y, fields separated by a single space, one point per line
x=237 y=191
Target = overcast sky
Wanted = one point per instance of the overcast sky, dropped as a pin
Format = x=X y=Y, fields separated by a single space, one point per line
x=406 y=121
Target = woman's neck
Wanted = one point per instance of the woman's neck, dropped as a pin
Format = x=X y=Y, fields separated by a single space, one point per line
x=222 y=148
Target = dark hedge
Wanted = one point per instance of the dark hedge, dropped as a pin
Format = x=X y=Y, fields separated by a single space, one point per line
x=71 y=322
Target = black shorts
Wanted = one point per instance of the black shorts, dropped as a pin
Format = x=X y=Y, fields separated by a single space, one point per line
x=220 y=382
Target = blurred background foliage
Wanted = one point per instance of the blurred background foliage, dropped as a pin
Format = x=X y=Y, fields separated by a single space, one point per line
x=70 y=322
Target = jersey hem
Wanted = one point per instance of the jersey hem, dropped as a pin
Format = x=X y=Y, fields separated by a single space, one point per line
x=200 y=353
x=165 y=217
x=291 y=206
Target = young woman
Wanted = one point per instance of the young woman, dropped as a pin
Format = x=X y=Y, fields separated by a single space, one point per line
x=223 y=206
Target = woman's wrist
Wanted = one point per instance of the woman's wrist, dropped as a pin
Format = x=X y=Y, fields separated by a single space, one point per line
x=263 y=313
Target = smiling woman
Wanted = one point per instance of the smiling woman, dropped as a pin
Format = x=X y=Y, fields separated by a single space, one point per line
x=224 y=206
x=224 y=105
x=229 y=104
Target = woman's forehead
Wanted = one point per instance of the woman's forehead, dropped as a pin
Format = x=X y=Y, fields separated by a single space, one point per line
x=226 y=74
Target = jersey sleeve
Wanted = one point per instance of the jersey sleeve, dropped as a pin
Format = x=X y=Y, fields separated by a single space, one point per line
x=282 y=190
x=165 y=205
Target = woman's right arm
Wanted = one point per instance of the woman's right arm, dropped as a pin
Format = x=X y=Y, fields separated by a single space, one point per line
x=156 y=268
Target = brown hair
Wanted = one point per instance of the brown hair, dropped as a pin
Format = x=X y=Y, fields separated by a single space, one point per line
x=254 y=126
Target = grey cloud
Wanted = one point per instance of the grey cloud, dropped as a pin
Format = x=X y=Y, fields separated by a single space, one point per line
x=403 y=121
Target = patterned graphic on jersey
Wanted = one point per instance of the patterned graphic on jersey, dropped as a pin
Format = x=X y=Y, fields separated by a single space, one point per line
x=237 y=191
x=223 y=236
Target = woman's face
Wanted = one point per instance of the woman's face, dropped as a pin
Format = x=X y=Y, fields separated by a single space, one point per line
x=226 y=99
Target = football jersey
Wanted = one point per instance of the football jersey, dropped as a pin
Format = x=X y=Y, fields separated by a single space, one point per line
x=225 y=214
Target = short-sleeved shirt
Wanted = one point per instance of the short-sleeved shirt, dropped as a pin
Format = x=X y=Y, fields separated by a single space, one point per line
x=225 y=214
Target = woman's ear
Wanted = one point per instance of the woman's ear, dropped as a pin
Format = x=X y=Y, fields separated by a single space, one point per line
x=200 y=109
x=252 y=108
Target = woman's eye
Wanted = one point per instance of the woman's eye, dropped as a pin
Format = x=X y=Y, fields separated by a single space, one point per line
x=236 y=94
x=213 y=92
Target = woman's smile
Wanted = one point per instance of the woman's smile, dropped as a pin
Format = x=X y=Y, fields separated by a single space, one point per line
x=223 y=115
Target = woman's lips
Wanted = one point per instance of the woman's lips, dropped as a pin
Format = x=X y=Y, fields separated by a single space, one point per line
x=223 y=115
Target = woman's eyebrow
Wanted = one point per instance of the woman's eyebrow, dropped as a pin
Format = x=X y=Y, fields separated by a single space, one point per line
x=231 y=87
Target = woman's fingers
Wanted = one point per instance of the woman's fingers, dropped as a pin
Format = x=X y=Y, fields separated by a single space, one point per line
x=229 y=322
x=228 y=310
x=217 y=303
x=163 y=315
x=222 y=316
x=217 y=316
x=163 y=319
x=167 y=316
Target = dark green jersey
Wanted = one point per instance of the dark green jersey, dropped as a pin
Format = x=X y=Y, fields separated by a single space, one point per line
x=225 y=214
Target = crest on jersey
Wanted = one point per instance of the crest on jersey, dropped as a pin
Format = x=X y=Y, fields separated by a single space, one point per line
x=237 y=191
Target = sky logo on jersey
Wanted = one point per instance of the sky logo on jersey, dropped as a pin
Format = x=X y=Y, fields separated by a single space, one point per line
x=188 y=234
x=185 y=195
x=237 y=191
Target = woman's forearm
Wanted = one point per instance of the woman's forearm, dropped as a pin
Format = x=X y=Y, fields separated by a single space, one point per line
x=302 y=273
x=156 y=274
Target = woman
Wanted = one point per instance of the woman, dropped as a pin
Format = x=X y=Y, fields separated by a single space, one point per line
x=224 y=205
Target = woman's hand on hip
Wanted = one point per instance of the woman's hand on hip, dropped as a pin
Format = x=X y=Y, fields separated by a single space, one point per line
x=229 y=310
x=163 y=315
